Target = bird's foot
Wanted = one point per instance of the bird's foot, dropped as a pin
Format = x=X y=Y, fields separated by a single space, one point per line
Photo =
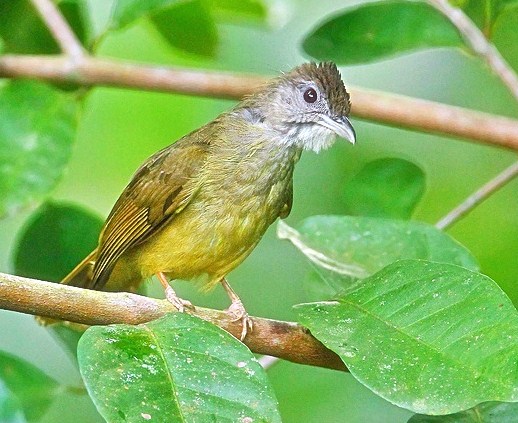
x=237 y=312
x=175 y=300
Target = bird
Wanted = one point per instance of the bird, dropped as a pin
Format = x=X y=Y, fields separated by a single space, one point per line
x=198 y=207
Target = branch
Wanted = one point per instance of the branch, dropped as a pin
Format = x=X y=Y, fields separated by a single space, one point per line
x=286 y=340
x=59 y=28
x=478 y=196
x=386 y=108
x=479 y=43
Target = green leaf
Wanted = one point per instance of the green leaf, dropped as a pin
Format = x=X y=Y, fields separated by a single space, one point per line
x=33 y=390
x=431 y=337
x=379 y=30
x=37 y=128
x=484 y=13
x=178 y=368
x=230 y=10
x=22 y=29
x=24 y=32
x=488 y=412
x=10 y=408
x=360 y=246
x=54 y=240
x=505 y=36
x=75 y=12
x=176 y=24
x=388 y=187
x=126 y=12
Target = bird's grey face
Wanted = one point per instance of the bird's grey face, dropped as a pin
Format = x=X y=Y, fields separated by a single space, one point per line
x=312 y=106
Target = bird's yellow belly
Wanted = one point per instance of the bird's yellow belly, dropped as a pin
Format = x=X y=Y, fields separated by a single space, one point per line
x=204 y=243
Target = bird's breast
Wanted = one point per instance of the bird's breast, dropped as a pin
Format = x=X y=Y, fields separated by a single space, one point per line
x=236 y=202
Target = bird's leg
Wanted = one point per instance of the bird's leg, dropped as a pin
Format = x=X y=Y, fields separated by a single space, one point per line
x=236 y=310
x=171 y=296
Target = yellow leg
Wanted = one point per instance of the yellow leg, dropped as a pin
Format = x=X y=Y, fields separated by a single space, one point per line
x=237 y=310
x=171 y=296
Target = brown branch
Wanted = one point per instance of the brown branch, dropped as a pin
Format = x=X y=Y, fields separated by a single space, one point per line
x=286 y=340
x=59 y=28
x=478 y=196
x=386 y=108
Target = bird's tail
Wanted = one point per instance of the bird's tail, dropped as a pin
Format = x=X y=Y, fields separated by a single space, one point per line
x=80 y=276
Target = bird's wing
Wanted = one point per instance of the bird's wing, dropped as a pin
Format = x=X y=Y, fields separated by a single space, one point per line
x=159 y=190
x=288 y=201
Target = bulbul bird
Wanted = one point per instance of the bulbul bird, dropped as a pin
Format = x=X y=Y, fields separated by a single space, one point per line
x=197 y=208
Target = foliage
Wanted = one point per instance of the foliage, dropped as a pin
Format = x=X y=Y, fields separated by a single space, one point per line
x=180 y=368
x=405 y=305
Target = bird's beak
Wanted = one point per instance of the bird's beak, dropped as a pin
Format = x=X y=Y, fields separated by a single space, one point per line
x=341 y=126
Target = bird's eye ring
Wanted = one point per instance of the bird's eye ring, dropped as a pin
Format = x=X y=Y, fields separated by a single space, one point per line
x=310 y=95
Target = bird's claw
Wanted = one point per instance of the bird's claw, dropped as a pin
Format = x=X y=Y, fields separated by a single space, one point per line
x=179 y=303
x=237 y=312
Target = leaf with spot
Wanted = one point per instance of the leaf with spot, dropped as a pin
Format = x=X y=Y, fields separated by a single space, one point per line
x=346 y=249
x=434 y=338
x=177 y=368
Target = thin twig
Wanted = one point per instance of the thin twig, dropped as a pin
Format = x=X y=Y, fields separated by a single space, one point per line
x=386 y=108
x=477 y=197
x=479 y=43
x=286 y=340
x=59 y=28
x=487 y=51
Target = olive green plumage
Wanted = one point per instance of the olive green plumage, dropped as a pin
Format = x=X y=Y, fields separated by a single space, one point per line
x=197 y=208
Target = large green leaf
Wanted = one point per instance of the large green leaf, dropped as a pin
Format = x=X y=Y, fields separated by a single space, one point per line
x=54 y=240
x=176 y=24
x=37 y=128
x=488 y=412
x=388 y=187
x=357 y=246
x=178 y=368
x=377 y=30
x=32 y=390
x=431 y=337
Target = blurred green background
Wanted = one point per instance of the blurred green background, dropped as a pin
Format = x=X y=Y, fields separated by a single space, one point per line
x=120 y=128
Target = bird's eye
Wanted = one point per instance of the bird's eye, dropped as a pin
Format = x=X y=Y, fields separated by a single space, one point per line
x=310 y=95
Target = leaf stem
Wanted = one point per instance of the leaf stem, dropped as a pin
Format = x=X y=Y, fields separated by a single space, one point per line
x=478 y=196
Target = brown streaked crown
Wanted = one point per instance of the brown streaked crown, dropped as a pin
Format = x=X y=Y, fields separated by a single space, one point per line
x=329 y=81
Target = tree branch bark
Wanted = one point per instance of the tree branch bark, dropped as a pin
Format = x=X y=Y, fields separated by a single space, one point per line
x=385 y=108
x=285 y=340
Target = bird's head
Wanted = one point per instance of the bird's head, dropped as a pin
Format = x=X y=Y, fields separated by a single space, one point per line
x=307 y=107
